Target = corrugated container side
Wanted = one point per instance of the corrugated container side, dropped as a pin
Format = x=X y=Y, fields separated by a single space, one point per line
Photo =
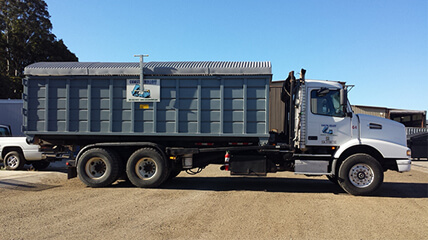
x=233 y=105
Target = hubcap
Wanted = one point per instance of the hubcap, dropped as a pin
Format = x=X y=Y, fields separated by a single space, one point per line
x=361 y=175
x=95 y=167
x=145 y=168
x=12 y=161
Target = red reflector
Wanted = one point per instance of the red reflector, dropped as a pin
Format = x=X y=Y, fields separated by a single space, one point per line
x=240 y=144
x=204 y=144
x=67 y=163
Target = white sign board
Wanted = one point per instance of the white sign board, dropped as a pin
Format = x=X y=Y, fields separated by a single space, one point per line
x=149 y=92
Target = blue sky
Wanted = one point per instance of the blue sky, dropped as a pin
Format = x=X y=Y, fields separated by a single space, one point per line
x=381 y=47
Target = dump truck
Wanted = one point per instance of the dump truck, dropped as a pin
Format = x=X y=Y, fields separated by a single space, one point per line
x=150 y=121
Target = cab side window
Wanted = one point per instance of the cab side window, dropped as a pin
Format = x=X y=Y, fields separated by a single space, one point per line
x=326 y=102
x=4 y=132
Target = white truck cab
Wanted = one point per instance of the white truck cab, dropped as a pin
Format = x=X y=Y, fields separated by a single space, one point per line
x=329 y=125
x=362 y=146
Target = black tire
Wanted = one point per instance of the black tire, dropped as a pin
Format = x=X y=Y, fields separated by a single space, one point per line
x=146 y=168
x=98 y=167
x=14 y=161
x=40 y=165
x=360 y=174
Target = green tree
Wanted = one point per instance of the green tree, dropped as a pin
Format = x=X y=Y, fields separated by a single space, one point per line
x=25 y=38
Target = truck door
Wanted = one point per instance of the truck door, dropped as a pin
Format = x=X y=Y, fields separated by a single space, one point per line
x=327 y=123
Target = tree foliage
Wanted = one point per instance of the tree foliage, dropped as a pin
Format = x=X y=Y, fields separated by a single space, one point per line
x=25 y=38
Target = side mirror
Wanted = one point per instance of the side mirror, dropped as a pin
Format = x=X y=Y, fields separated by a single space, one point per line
x=344 y=102
x=343 y=97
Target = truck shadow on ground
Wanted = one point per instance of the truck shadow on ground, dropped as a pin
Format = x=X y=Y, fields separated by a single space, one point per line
x=268 y=184
x=53 y=167
x=24 y=186
x=286 y=185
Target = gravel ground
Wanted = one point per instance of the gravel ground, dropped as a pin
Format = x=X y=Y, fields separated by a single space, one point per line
x=213 y=205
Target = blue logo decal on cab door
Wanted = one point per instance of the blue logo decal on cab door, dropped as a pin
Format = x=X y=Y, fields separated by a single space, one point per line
x=326 y=129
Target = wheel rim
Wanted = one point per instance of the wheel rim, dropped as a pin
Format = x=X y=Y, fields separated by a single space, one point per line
x=145 y=168
x=95 y=167
x=361 y=175
x=12 y=161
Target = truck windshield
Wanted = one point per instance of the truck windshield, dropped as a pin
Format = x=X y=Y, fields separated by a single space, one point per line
x=327 y=103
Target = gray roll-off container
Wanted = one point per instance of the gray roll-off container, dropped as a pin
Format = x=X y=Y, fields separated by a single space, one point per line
x=90 y=102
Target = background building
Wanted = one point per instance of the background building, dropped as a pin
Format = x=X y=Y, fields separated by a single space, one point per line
x=414 y=120
x=11 y=114
x=410 y=118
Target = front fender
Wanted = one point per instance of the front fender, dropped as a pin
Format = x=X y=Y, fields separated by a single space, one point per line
x=386 y=149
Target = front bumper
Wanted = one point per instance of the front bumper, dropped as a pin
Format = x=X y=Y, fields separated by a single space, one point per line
x=404 y=165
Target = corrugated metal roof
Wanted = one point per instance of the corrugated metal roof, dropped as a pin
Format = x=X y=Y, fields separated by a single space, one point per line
x=404 y=111
x=150 y=68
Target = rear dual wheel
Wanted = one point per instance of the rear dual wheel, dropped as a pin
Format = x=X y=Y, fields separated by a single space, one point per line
x=146 y=168
x=98 y=167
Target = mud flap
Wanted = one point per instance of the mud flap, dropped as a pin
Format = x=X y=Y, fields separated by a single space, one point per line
x=71 y=169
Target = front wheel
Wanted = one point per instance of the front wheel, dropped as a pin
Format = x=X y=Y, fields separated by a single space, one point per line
x=360 y=174
x=146 y=168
